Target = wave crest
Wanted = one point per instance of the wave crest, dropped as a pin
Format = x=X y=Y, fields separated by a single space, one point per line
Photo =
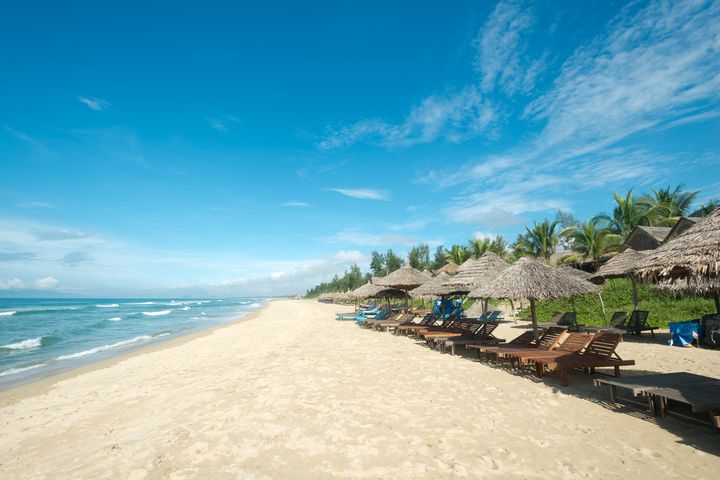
x=24 y=345
x=155 y=314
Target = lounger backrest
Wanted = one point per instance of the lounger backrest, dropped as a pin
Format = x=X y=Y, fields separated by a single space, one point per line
x=556 y=317
x=637 y=320
x=489 y=329
x=575 y=342
x=550 y=338
x=525 y=338
x=618 y=319
x=603 y=345
x=569 y=319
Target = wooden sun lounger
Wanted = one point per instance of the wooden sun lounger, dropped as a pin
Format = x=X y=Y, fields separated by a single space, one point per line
x=644 y=385
x=600 y=352
x=616 y=325
x=548 y=341
x=638 y=323
x=484 y=335
x=701 y=397
x=370 y=322
x=397 y=320
x=523 y=340
x=573 y=343
x=459 y=326
x=432 y=321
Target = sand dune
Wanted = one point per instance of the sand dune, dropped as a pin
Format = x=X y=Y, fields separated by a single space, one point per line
x=292 y=393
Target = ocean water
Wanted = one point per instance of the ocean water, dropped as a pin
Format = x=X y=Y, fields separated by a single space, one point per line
x=39 y=337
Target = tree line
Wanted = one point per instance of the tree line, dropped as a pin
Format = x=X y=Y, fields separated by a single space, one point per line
x=585 y=241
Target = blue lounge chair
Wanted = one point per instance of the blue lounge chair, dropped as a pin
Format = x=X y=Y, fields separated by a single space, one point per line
x=351 y=316
x=383 y=315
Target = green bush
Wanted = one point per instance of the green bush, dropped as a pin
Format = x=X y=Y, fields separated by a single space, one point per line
x=617 y=296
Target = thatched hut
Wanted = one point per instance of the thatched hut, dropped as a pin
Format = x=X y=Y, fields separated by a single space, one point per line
x=646 y=238
x=693 y=256
x=475 y=272
x=619 y=266
x=532 y=280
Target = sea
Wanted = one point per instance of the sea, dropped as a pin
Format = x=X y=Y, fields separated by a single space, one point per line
x=41 y=337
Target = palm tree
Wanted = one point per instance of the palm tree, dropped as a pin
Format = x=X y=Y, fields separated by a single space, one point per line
x=542 y=238
x=590 y=241
x=705 y=208
x=478 y=246
x=630 y=213
x=677 y=201
x=457 y=254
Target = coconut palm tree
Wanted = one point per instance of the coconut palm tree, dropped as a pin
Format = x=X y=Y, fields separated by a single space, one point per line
x=629 y=213
x=542 y=238
x=705 y=208
x=478 y=246
x=457 y=254
x=589 y=242
x=677 y=201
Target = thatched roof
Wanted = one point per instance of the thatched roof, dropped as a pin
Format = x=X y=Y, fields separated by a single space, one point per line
x=694 y=254
x=531 y=279
x=575 y=271
x=620 y=265
x=367 y=290
x=475 y=272
x=448 y=268
x=700 y=287
x=430 y=289
x=405 y=278
x=391 y=292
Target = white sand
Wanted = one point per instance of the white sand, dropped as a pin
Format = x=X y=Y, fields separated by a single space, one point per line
x=294 y=394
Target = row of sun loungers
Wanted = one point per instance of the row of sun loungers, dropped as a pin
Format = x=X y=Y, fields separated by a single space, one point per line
x=636 y=323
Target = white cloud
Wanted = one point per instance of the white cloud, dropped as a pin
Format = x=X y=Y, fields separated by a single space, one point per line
x=358 y=236
x=11 y=284
x=501 y=45
x=297 y=204
x=94 y=103
x=362 y=193
x=221 y=123
x=46 y=283
x=454 y=116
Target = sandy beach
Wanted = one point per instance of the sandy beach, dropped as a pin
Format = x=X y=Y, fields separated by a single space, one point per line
x=292 y=393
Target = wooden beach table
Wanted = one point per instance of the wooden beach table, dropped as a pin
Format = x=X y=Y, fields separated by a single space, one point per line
x=701 y=397
x=645 y=385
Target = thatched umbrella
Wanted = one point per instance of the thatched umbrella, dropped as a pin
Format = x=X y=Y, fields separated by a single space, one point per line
x=367 y=290
x=431 y=288
x=449 y=268
x=622 y=265
x=474 y=272
x=582 y=274
x=405 y=278
x=533 y=280
x=694 y=256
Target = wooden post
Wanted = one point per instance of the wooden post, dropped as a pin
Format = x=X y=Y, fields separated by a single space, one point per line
x=717 y=302
x=602 y=306
x=534 y=319
x=635 y=295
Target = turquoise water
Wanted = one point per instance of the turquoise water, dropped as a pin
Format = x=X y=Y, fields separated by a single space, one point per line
x=39 y=337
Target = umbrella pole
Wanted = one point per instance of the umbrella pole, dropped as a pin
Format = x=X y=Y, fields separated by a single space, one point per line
x=635 y=295
x=717 y=302
x=602 y=306
x=534 y=318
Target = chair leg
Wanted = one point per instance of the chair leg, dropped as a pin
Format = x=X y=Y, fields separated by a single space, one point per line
x=564 y=375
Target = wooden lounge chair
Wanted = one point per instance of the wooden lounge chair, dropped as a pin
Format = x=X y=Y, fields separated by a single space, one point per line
x=547 y=341
x=458 y=326
x=372 y=321
x=554 y=320
x=428 y=321
x=573 y=343
x=524 y=340
x=600 y=352
x=396 y=320
x=482 y=336
x=440 y=325
x=638 y=323
x=617 y=324
x=701 y=397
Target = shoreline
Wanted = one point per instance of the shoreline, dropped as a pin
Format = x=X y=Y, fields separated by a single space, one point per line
x=43 y=385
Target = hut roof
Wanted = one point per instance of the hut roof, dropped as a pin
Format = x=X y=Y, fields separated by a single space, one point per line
x=367 y=290
x=528 y=278
x=697 y=286
x=575 y=271
x=482 y=270
x=682 y=225
x=405 y=278
x=646 y=238
x=621 y=265
x=694 y=254
x=432 y=288
x=448 y=268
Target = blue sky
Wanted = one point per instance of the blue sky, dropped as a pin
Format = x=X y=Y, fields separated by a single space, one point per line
x=233 y=148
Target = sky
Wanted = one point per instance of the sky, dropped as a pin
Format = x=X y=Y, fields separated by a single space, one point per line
x=259 y=147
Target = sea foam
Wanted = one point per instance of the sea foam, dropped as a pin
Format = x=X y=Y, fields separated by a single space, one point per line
x=108 y=305
x=14 y=371
x=155 y=314
x=7 y=314
x=114 y=319
x=24 y=345
x=104 y=348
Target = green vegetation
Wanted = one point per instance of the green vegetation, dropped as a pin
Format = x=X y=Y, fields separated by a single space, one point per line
x=617 y=296
x=351 y=280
